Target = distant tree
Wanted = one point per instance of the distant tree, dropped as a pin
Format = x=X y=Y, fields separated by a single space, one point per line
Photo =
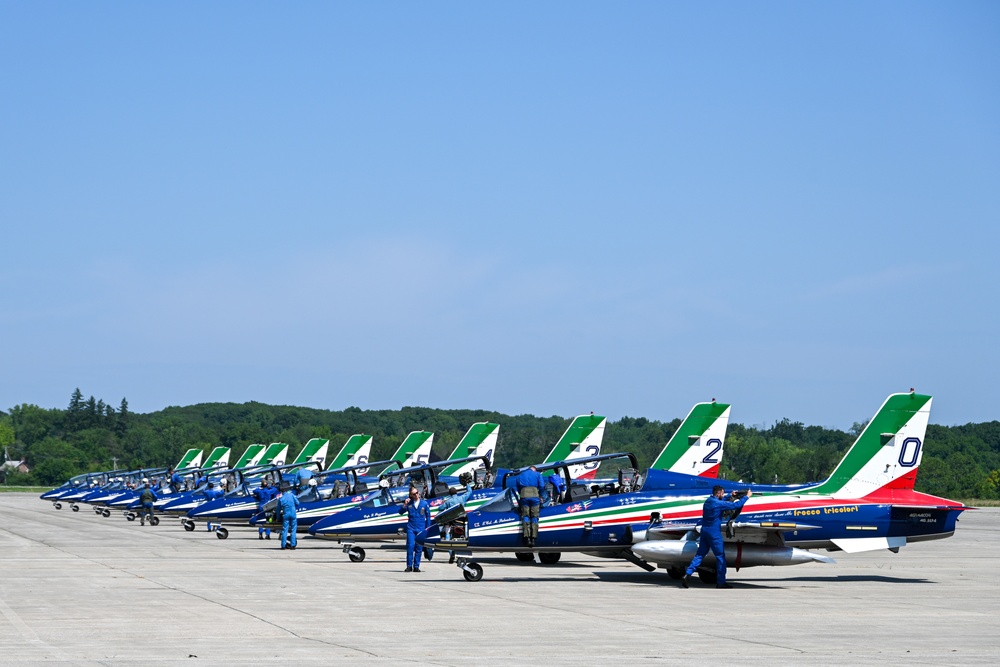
x=74 y=414
x=6 y=432
x=90 y=413
x=32 y=423
x=121 y=423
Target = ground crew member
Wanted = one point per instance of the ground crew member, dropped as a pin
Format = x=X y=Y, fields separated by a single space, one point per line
x=289 y=518
x=304 y=475
x=418 y=517
x=711 y=535
x=176 y=481
x=147 y=496
x=212 y=493
x=263 y=494
x=530 y=487
x=558 y=487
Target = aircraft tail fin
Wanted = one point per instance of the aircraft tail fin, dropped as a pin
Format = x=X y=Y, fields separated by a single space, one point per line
x=250 y=457
x=191 y=459
x=480 y=440
x=275 y=454
x=584 y=434
x=582 y=438
x=217 y=457
x=415 y=449
x=695 y=448
x=887 y=453
x=356 y=451
x=315 y=450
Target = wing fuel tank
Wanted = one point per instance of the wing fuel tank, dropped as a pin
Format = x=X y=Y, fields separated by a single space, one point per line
x=738 y=554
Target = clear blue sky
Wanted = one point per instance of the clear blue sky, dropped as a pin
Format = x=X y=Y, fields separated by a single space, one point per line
x=545 y=208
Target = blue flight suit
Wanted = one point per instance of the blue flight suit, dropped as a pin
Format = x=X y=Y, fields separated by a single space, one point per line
x=456 y=499
x=711 y=536
x=530 y=489
x=289 y=519
x=212 y=494
x=262 y=494
x=418 y=517
x=558 y=487
x=176 y=482
x=304 y=474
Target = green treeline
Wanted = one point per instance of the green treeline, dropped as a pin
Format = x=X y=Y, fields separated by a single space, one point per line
x=958 y=462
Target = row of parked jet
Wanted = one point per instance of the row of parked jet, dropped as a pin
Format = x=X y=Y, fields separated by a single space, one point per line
x=605 y=506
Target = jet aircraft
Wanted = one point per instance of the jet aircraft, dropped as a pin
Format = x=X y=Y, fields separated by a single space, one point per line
x=867 y=503
x=479 y=440
x=80 y=486
x=237 y=506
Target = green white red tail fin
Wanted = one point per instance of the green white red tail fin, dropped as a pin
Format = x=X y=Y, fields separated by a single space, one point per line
x=480 y=440
x=250 y=457
x=217 y=457
x=275 y=454
x=415 y=449
x=582 y=438
x=887 y=453
x=315 y=450
x=695 y=448
x=356 y=451
x=191 y=459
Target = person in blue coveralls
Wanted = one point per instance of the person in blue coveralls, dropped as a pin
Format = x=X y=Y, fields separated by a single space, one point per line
x=176 y=481
x=147 y=497
x=711 y=535
x=418 y=517
x=530 y=488
x=212 y=493
x=558 y=488
x=289 y=518
x=304 y=475
x=262 y=494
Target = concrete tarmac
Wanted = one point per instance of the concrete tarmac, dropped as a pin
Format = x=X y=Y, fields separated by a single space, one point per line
x=77 y=588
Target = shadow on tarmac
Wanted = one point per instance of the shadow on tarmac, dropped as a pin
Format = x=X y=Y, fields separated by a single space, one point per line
x=651 y=579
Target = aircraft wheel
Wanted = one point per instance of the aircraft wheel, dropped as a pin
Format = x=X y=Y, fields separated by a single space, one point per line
x=58 y=506
x=188 y=525
x=356 y=555
x=106 y=513
x=154 y=521
x=472 y=571
x=222 y=533
x=525 y=556
x=75 y=508
x=130 y=517
x=707 y=576
x=549 y=558
x=675 y=573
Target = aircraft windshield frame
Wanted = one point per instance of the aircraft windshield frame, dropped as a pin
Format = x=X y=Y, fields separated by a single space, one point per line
x=501 y=502
x=387 y=497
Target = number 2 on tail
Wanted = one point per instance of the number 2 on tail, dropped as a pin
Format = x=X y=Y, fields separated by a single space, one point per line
x=710 y=457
